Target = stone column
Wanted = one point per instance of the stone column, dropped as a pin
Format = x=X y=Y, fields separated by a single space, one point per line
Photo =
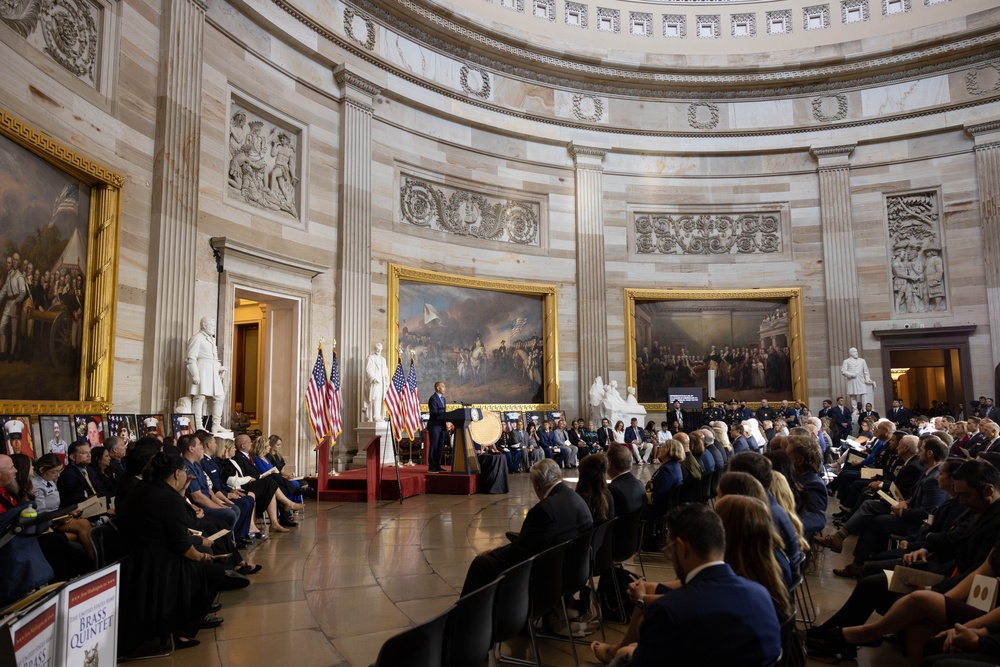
x=987 y=151
x=173 y=234
x=354 y=273
x=591 y=294
x=842 y=303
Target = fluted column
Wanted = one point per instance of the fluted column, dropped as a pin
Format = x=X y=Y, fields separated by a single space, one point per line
x=591 y=295
x=355 y=239
x=987 y=151
x=842 y=303
x=170 y=318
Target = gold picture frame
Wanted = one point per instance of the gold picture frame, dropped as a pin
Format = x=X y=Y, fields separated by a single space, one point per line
x=791 y=296
x=525 y=326
x=96 y=353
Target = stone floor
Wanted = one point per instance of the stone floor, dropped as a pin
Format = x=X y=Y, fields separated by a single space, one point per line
x=351 y=575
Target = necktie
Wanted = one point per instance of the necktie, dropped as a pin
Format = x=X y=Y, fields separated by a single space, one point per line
x=86 y=477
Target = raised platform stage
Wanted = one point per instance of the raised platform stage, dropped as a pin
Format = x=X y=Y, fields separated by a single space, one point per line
x=350 y=485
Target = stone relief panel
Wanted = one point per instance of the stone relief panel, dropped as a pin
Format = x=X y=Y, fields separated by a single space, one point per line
x=917 y=264
x=265 y=161
x=68 y=31
x=743 y=25
x=703 y=115
x=779 y=22
x=983 y=80
x=359 y=28
x=463 y=212
x=675 y=25
x=588 y=108
x=829 y=108
x=816 y=17
x=708 y=233
x=475 y=81
x=576 y=14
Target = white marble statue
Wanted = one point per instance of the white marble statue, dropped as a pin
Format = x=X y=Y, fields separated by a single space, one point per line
x=377 y=378
x=597 y=399
x=632 y=403
x=855 y=370
x=205 y=375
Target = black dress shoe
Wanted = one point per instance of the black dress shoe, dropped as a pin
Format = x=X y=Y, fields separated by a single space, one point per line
x=214 y=607
x=212 y=622
x=243 y=544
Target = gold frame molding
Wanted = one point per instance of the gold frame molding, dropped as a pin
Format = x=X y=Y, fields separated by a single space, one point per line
x=550 y=325
x=101 y=285
x=796 y=343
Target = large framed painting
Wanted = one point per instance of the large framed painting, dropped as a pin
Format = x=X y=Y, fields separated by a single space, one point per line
x=745 y=345
x=492 y=342
x=58 y=275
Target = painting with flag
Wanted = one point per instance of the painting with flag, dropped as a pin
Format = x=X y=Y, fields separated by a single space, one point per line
x=396 y=402
x=319 y=415
x=333 y=397
x=413 y=421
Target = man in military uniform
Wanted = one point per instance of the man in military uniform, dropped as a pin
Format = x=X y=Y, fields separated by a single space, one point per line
x=744 y=412
x=765 y=412
x=12 y=296
x=712 y=413
x=732 y=413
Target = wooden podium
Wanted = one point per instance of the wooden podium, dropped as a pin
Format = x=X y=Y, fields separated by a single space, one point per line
x=464 y=459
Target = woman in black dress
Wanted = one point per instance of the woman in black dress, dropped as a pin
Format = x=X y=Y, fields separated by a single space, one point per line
x=171 y=578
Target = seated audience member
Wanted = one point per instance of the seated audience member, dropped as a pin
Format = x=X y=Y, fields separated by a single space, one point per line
x=590 y=439
x=699 y=449
x=878 y=453
x=593 y=487
x=100 y=465
x=246 y=502
x=721 y=430
x=238 y=472
x=807 y=462
x=277 y=459
x=692 y=469
x=566 y=449
x=682 y=627
x=635 y=438
x=549 y=444
x=135 y=464
x=510 y=447
x=665 y=478
x=715 y=449
x=876 y=521
x=628 y=492
x=78 y=481
x=170 y=579
x=261 y=450
x=576 y=439
x=533 y=450
x=46 y=499
x=618 y=434
x=559 y=515
x=738 y=434
x=754 y=549
x=199 y=490
x=759 y=467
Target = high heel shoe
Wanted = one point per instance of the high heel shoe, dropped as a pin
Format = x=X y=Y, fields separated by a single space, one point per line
x=279 y=529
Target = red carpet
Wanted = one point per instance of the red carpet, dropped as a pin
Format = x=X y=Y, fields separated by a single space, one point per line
x=413 y=480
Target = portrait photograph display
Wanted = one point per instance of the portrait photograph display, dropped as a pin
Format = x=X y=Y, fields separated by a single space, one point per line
x=18 y=435
x=743 y=346
x=160 y=427
x=182 y=424
x=56 y=433
x=493 y=343
x=89 y=428
x=123 y=426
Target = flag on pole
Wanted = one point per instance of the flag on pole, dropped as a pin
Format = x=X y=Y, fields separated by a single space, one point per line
x=413 y=401
x=333 y=398
x=319 y=416
x=67 y=202
x=395 y=400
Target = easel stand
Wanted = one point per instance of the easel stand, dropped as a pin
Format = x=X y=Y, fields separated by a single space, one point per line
x=395 y=458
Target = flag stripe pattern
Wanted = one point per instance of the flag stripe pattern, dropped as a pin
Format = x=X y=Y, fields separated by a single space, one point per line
x=319 y=416
x=395 y=400
x=333 y=398
x=413 y=401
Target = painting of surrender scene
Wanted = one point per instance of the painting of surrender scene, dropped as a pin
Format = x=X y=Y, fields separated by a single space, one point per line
x=487 y=346
x=44 y=221
x=745 y=342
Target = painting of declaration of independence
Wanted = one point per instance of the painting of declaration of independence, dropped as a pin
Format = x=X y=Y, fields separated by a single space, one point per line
x=44 y=216
x=486 y=346
x=746 y=343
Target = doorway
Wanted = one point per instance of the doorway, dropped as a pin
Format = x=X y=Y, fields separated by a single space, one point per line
x=927 y=379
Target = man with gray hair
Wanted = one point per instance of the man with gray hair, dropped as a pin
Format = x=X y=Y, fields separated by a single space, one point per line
x=561 y=514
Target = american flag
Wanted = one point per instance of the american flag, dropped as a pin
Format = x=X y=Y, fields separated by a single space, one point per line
x=413 y=401
x=67 y=201
x=395 y=400
x=333 y=399
x=319 y=416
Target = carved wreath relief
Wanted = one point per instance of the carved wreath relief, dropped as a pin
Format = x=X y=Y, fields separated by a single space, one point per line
x=263 y=163
x=738 y=234
x=918 y=281
x=468 y=213
x=69 y=31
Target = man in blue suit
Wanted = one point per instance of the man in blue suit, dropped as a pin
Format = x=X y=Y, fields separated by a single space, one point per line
x=437 y=428
x=683 y=626
x=841 y=415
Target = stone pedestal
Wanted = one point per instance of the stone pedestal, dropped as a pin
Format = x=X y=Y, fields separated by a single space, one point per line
x=365 y=432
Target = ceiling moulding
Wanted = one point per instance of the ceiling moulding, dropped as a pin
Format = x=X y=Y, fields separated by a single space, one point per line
x=445 y=32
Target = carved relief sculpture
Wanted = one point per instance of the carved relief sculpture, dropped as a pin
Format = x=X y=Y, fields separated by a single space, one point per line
x=740 y=234
x=262 y=163
x=917 y=265
x=468 y=213
x=69 y=31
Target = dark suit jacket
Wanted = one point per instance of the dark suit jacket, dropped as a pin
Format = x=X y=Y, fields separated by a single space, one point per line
x=684 y=627
x=637 y=434
x=901 y=417
x=925 y=497
x=605 y=436
x=740 y=444
x=814 y=502
x=437 y=407
x=246 y=465
x=765 y=413
x=73 y=487
x=908 y=475
x=628 y=492
x=840 y=415
x=560 y=516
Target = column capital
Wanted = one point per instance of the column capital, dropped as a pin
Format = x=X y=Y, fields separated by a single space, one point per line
x=587 y=157
x=833 y=157
x=984 y=134
x=355 y=86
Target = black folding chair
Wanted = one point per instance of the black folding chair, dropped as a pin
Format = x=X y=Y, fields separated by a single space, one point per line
x=545 y=586
x=419 y=646
x=601 y=562
x=468 y=632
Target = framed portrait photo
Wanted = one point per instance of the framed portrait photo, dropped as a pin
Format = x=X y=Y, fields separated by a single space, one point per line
x=123 y=426
x=182 y=424
x=60 y=271
x=18 y=435
x=153 y=424
x=56 y=432
x=492 y=342
x=89 y=428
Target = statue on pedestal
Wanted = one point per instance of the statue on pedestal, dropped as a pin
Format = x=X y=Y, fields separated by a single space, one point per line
x=855 y=370
x=205 y=375
x=632 y=403
x=377 y=380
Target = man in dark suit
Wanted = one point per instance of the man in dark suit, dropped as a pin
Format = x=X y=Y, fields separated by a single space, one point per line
x=628 y=492
x=675 y=418
x=77 y=482
x=899 y=415
x=825 y=410
x=635 y=438
x=737 y=434
x=437 y=428
x=841 y=415
x=561 y=514
x=765 y=412
x=604 y=435
x=682 y=627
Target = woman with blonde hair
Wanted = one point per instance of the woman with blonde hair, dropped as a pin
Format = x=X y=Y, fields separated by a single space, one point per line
x=720 y=429
x=267 y=491
x=259 y=450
